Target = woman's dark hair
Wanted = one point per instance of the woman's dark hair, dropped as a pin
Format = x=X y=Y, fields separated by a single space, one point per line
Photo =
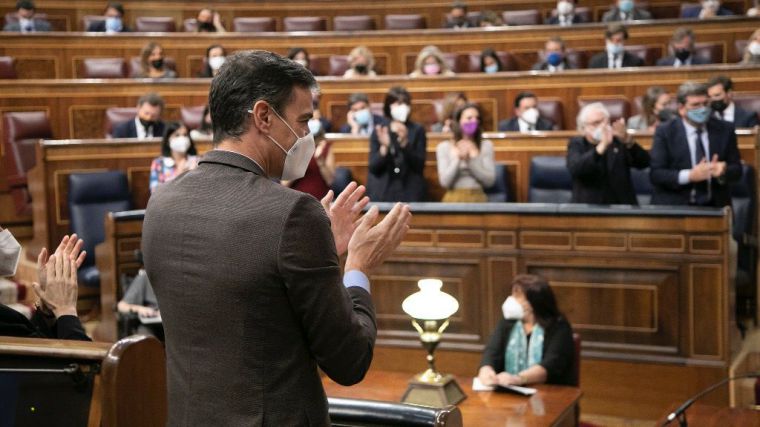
x=396 y=94
x=145 y=53
x=492 y=53
x=205 y=127
x=115 y=6
x=295 y=51
x=247 y=77
x=458 y=129
x=206 y=71
x=170 y=128
x=540 y=296
x=649 y=101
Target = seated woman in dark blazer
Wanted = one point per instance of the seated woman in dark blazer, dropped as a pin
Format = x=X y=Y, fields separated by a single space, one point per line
x=397 y=151
x=533 y=343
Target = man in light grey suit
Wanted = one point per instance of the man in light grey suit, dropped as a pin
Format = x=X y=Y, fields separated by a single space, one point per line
x=246 y=271
x=25 y=21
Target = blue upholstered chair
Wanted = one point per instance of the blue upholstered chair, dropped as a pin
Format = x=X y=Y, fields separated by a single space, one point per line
x=499 y=192
x=91 y=196
x=550 y=181
x=343 y=177
x=642 y=185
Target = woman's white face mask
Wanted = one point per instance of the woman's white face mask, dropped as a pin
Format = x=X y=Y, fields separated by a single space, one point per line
x=512 y=309
x=10 y=253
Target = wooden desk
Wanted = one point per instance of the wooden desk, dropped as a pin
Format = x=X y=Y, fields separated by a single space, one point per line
x=550 y=406
x=701 y=415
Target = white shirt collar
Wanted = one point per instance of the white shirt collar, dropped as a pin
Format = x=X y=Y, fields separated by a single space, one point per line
x=141 y=134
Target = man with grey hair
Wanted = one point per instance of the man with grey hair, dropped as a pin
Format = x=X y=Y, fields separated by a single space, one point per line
x=147 y=123
x=601 y=158
x=695 y=156
x=682 y=50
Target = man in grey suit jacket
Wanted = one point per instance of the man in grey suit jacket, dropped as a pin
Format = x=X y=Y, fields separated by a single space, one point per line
x=26 y=22
x=246 y=271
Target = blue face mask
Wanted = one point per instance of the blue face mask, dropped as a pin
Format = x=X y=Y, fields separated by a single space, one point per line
x=362 y=116
x=626 y=6
x=493 y=68
x=554 y=59
x=698 y=115
x=113 y=24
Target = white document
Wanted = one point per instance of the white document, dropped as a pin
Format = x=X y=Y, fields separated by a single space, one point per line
x=150 y=320
x=477 y=385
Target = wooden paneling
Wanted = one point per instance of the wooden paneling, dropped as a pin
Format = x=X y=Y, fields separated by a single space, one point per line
x=395 y=50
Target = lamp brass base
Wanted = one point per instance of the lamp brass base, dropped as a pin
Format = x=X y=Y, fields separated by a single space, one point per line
x=443 y=391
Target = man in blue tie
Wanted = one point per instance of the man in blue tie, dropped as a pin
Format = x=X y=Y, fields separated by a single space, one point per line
x=694 y=157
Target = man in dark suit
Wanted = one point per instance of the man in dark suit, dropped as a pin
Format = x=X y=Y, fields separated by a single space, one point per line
x=554 y=56
x=709 y=9
x=246 y=271
x=682 y=50
x=359 y=119
x=26 y=22
x=600 y=160
x=564 y=15
x=694 y=157
x=114 y=22
x=527 y=117
x=147 y=123
x=626 y=10
x=615 y=55
x=720 y=91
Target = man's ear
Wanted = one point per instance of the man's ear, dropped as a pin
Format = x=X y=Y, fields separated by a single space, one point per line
x=261 y=117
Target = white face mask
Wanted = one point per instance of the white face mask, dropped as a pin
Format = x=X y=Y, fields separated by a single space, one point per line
x=711 y=4
x=564 y=7
x=530 y=115
x=302 y=62
x=512 y=309
x=754 y=48
x=10 y=253
x=216 y=62
x=179 y=144
x=400 y=112
x=299 y=156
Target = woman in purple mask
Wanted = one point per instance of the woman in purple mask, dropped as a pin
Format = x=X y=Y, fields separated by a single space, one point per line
x=466 y=164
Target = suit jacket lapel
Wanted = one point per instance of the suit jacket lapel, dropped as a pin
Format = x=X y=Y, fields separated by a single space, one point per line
x=683 y=148
x=714 y=141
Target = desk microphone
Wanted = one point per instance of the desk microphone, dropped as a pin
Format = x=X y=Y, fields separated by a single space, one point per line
x=680 y=413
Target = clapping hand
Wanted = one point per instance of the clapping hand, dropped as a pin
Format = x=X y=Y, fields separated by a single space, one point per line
x=60 y=292
x=717 y=168
x=372 y=244
x=70 y=247
x=343 y=213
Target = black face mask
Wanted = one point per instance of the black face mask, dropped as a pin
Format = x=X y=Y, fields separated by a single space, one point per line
x=361 y=68
x=682 y=54
x=147 y=123
x=157 y=63
x=207 y=26
x=665 y=115
x=719 y=105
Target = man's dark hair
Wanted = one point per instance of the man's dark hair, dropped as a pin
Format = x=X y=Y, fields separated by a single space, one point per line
x=690 y=89
x=613 y=29
x=396 y=94
x=357 y=97
x=522 y=95
x=459 y=5
x=682 y=32
x=117 y=6
x=247 y=77
x=153 y=99
x=25 y=4
x=724 y=81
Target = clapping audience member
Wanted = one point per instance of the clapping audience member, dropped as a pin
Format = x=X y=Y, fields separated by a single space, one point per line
x=153 y=63
x=55 y=315
x=451 y=103
x=320 y=173
x=178 y=155
x=720 y=91
x=533 y=342
x=564 y=15
x=600 y=160
x=397 y=153
x=206 y=129
x=147 y=123
x=140 y=300
x=114 y=22
x=209 y=21
x=709 y=9
x=26 y=22
x=554 y=56
x=359 y=119
x=430 y=62
x=361 y=62
x=656 y=109
x=527 y=117
x=457 y=17
x=626 y=10
x=682 y=50
x=752 y=52
x=466 y=163
x=490 y=62
x=300 y=55
x=216 y=55
x=615 y=55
